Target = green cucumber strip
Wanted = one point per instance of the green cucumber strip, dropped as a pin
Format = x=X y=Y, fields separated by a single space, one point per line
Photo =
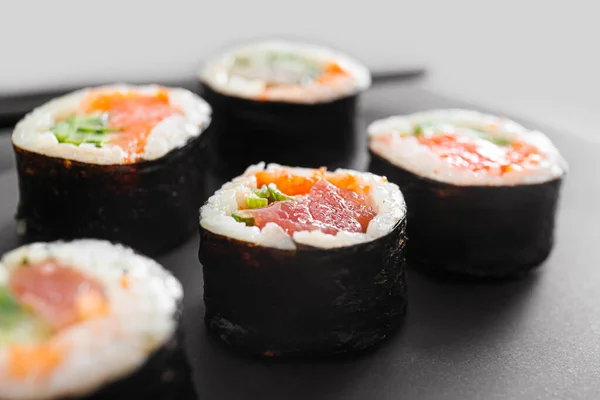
x=239 y=217
x=79 y=129
x=79 y=138
x=256 y=202
x=23 y=328
x=10 y=309
x=242 y=61
x=277 y=195
x=93 y=129
x=62 y=128
x=8 y=303
x=17 y=323
x=263 y=192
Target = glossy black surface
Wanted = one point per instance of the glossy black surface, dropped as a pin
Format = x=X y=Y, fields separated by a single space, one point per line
x=475 y=232
x=307 y=302
x=537 y=338
x=246 y=132
x=151 y=206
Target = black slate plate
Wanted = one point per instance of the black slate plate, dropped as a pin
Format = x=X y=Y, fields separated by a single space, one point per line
x=538 y=338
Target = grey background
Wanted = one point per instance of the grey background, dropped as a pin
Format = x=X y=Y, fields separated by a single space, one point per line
x=538 y=338
x=537 y=59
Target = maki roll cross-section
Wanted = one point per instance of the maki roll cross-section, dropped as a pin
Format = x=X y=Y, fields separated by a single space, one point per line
x=90 y=320
x=283 y=102
x=482 y=191
x=303 y=262
x=122 y=163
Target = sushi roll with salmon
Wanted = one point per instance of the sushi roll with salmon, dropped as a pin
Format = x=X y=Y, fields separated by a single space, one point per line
x=122 y=163
x=274 y=100
x=482 y=191
x=303 y=262
x=92 y=320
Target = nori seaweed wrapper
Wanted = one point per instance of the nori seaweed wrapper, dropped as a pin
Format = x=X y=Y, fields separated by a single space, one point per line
x=475 y=232
x=303 y=302
x=151 y=206
x=166 y=375
x=249 y=131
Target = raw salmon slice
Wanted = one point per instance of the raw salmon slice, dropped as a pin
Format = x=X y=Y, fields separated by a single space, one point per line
x=466 y=153
x=133 y=114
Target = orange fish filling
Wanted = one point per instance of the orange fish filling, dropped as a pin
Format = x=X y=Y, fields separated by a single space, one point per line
x=293 y=185
x=60 y=296
x=125 y=282
x=289 y=183
x=331 y=71
x=133 y=114
x=39 y=360
x=465 y=153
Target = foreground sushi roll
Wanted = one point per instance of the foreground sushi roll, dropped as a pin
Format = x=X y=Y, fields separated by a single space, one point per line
x=482 y=191
x=275 y=100
x=89 y=319
x=301 y=262
x=123 y=163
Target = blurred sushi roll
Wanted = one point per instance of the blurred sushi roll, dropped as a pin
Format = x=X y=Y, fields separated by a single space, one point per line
x=89 y=319
x=122 y=163
x=482 y=191
x=303 y=262
x=283 y=102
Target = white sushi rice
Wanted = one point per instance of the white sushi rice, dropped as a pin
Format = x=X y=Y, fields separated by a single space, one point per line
x=385 y=198
x=406 y=152
x=218 y=75
x=101 y=350
x=33 y=133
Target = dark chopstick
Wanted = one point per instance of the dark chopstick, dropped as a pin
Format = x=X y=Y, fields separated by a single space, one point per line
x=14 y=107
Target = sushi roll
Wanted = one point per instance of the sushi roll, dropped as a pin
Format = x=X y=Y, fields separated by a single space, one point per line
x=303 y=262
x=92 y=320
x=482 y=191
x=122 y=163
x=274 y=100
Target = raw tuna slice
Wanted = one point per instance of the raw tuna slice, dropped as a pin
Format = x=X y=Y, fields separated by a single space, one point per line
x=59 y=295
x=326 y=207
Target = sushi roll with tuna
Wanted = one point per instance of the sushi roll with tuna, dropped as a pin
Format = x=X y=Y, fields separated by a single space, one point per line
x=303 y=262
x=122 y=163
x=482 y=191
x=274 y=100
x=89 y=319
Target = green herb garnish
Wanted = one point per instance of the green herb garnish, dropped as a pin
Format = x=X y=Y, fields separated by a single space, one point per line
x=241 y=217
x=254 y=202
x=498 y=140
x=280 y=67
x=418 y=130
x=271 y=193
x=79 y=129
x=277 y=195
x=265 y=195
